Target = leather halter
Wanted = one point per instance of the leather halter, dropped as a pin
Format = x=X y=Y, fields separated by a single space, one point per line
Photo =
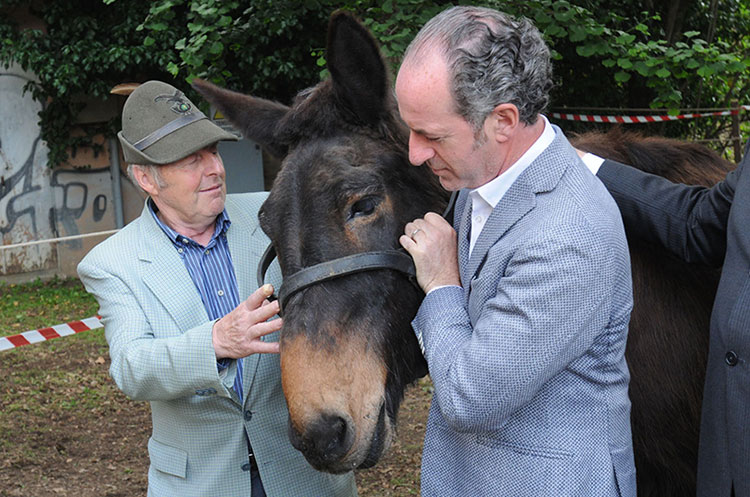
x=394 y=259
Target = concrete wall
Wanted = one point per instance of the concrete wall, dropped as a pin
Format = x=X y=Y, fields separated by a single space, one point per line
x=27 y=196
x=39 y=203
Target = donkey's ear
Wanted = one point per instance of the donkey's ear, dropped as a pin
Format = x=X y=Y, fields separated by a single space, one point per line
x=255 y=118
x=357 y=69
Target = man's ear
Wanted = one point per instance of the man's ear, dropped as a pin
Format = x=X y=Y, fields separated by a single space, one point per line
x=503 y=122
x=145 y=179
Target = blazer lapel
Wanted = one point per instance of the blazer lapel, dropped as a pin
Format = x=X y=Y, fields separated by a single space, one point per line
x=542 y=175
x=245 y=261
x=464 y=225
x=245 y=239
x=513 y=206
x=165 y=274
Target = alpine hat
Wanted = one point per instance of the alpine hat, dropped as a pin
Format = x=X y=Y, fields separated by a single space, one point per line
x=160 y=125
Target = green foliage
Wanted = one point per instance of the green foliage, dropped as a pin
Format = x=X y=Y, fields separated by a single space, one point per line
x=395 y=22
x=615 y=55
x=607 y=54
x=87 y=49
x=264 y=47
x=636 y=52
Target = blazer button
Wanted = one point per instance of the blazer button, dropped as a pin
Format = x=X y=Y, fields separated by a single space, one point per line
x=246 y=466
x=731 y=358
x=248 y=415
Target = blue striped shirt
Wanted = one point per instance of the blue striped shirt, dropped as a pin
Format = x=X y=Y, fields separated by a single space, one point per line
x=212 y=272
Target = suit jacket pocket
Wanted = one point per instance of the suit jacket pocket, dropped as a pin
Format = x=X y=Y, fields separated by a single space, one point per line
x=529 y=450
x=167 y=459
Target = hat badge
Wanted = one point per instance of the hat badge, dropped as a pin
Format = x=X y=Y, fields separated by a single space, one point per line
x=178 y=103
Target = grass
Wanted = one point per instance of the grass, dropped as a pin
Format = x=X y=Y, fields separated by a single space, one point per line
x=39 y=304
x=65 y=428
x=60 y=413
x=31 y=387
x=42 y=378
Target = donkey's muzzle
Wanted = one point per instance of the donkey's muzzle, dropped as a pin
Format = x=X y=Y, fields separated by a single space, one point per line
x=325 y=442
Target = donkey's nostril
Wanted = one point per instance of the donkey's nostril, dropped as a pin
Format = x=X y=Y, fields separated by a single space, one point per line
x=329 y=438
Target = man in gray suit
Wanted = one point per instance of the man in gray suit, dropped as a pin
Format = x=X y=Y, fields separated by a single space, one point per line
x=185 y=329
x=525 y=320
x=709 y=226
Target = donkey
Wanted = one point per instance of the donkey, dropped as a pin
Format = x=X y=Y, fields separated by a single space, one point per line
x=345 y=186
x=347 y=348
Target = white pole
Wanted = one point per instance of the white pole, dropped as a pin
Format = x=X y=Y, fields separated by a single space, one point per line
x=60 y=239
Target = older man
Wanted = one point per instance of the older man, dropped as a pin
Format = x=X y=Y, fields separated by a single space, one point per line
x=186 y=330
x=525 y=320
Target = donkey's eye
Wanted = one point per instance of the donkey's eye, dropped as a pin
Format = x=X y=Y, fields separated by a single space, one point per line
x=363 y=207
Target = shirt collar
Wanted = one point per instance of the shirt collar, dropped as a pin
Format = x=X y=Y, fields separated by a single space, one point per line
x=493 y=191
x=220 y=228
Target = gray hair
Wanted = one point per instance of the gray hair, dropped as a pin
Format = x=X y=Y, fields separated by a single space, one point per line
x=492 y=59
x=154 y=170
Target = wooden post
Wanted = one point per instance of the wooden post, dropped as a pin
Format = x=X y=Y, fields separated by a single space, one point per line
x=736 y=139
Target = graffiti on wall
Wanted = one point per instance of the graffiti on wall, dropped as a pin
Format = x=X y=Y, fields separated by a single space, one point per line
x=81 y=199
x=38 y=203
x=17 y=191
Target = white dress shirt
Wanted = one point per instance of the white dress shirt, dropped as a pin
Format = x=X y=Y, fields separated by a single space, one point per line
x=593 y=162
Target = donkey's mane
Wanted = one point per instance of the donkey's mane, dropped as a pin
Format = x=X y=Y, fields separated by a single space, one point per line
x=317 y=113
x=679 y=161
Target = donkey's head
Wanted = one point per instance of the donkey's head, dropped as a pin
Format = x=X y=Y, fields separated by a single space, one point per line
x=345 y=187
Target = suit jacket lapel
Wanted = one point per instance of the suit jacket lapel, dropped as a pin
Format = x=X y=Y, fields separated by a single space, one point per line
x=245 y=239
x=243 y=260
x=513 y=206
x=542 y=175
x=464 y=224
x=165 y=274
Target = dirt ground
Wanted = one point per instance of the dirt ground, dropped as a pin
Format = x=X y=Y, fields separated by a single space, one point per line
x=65 y=429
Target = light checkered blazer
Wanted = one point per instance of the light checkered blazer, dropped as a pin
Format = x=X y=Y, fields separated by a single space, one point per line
x=527 y=359
x=161 y=349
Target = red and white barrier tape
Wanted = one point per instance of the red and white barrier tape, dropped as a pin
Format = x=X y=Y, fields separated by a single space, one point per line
x=42 y=334
x=642 y=119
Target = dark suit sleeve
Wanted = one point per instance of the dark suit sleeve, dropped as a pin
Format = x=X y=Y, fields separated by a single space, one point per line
x=689 y=221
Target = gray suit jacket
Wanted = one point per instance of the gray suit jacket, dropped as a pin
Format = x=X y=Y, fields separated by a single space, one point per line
x=161 y=349
x=709 y=226
x=527 y=358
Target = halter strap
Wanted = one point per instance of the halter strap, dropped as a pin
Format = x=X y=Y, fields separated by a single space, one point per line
x=351 y=264
x=397 y=260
